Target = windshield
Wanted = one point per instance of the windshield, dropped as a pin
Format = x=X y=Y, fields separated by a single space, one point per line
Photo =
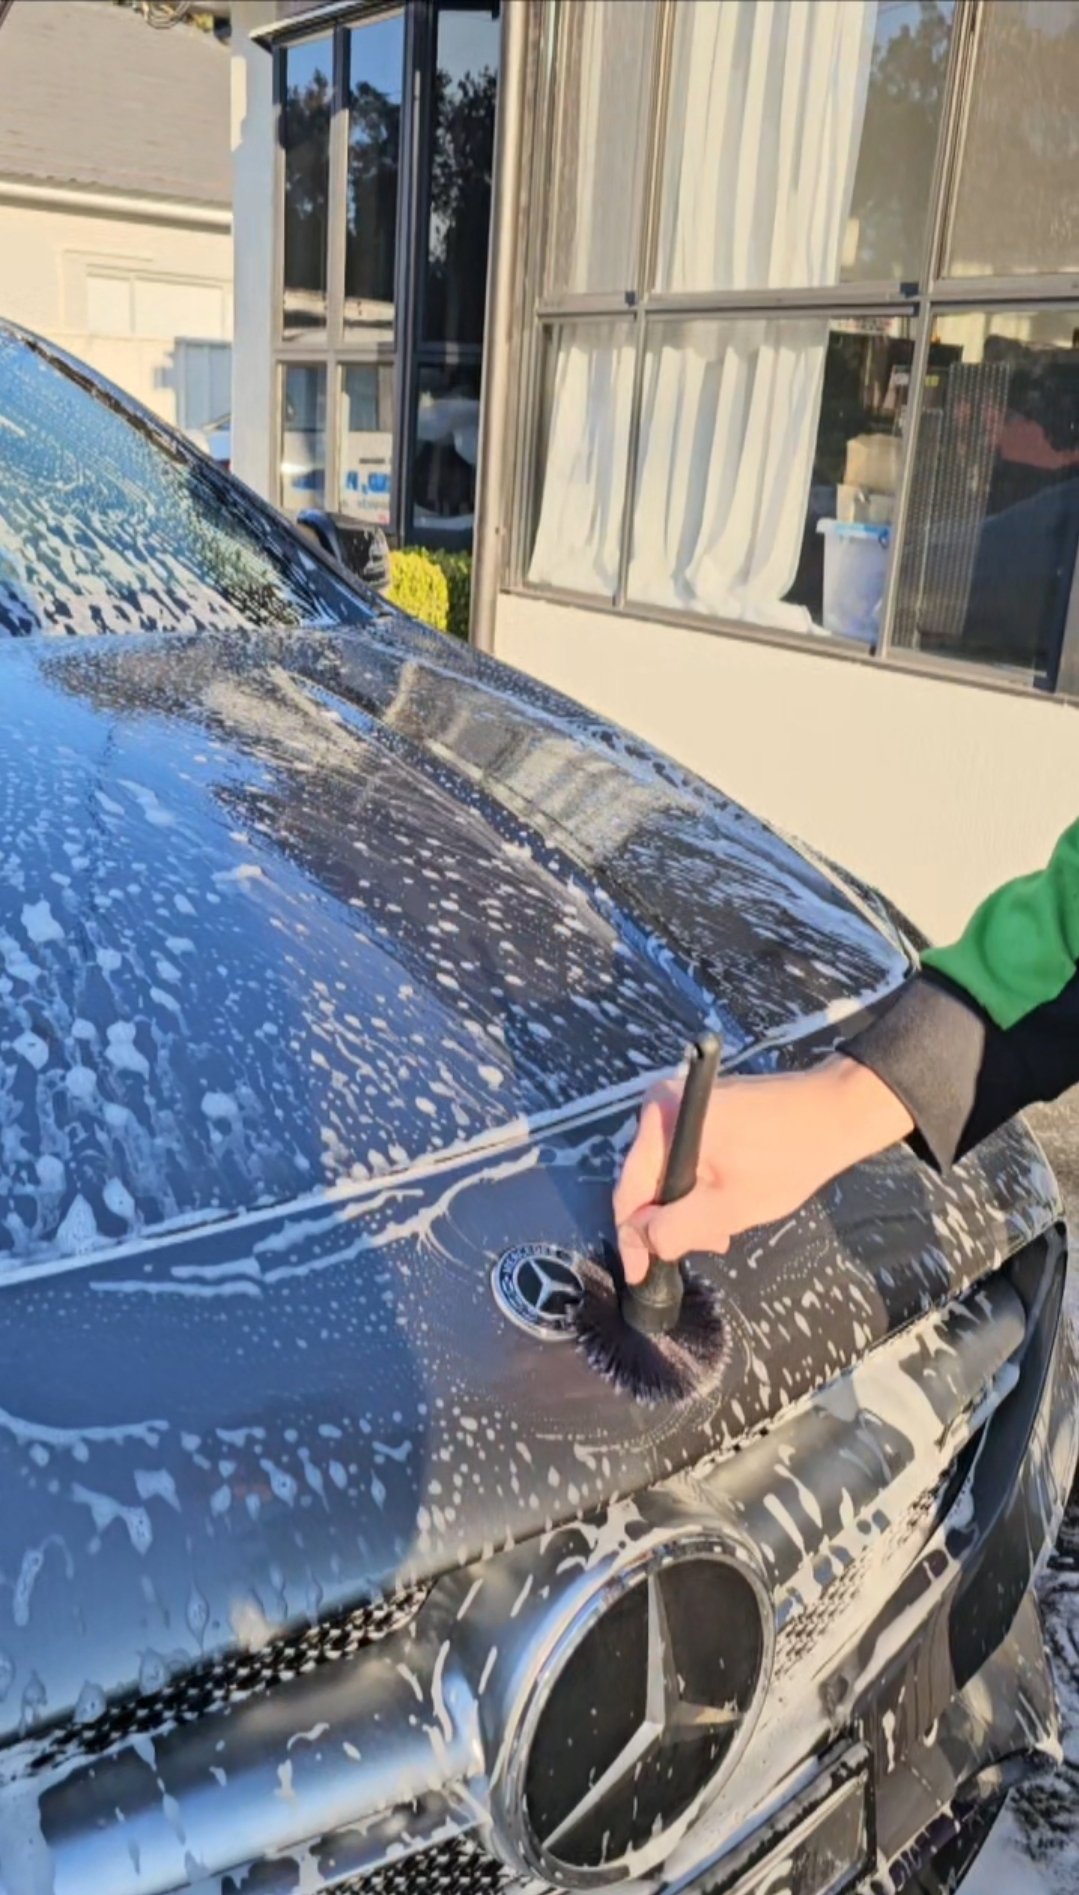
x=106 y=526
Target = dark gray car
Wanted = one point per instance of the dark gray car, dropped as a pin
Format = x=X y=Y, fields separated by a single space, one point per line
x=336 y=960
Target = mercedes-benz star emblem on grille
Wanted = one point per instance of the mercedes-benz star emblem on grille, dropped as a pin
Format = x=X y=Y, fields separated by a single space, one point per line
x=539 y=1287
x=638 y=1718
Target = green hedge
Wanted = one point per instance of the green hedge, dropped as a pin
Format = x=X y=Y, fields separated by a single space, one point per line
x=435 y=587
x=457 y=568
x=418 y=586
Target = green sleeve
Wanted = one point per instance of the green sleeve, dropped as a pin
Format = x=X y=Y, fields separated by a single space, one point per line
x=1021 y=947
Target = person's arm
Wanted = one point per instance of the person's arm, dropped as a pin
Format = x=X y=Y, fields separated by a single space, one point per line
x=988 y=1026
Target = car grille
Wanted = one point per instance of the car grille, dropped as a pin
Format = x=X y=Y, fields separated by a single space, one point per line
x=219 y=1681
x=456 y=1867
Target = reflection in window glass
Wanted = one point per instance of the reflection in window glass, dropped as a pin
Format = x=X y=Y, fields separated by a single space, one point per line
x=800 y=142
x=993 y=524
x=587 y=398
x=303 y=437
x=307 y=103
x=1017 y=209
x=444 y=468
x=461 y=156
x=375 y=68
x=366 y=444
x=604 y=54
x=885 y=233
x=769 y=461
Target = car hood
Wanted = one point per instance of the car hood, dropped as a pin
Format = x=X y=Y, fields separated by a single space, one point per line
x=278 y=912
x=368 y=948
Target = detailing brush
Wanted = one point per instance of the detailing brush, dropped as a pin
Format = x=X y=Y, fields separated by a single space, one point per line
x=663 y=1338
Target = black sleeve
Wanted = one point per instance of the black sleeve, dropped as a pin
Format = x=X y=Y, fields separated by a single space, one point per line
x=959 y=1075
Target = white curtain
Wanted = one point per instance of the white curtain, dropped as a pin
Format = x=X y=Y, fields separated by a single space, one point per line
x=604 y=56
x=764 y=127
x=578 y=536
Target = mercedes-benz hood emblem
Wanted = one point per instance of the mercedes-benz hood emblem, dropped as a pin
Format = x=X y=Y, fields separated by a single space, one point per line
x=538 y=1286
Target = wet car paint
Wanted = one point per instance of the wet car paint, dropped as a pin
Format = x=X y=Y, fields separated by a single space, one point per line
x=234 y=848
x=291 y=915
x=242 y=1429
x=281 y=910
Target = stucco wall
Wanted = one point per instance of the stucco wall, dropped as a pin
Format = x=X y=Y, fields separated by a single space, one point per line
x=60 y=268
x=935 y=791
x=253 y=173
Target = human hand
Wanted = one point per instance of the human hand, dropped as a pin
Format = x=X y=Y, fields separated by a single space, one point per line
x=769 y=1143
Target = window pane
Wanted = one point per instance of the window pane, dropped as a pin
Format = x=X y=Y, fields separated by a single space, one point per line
x=366 y=444
x=768 y=466
x=375 y=66
x=587 y=398
x=305 y=136
x=800 y=142
x=1017 y=208
x=604 y=55
x=459 y=178
x=885 y=233
x=303 y=437
x=444 y=469
x=993 y=523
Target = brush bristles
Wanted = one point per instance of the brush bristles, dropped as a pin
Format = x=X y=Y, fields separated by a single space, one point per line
x=650 y=1368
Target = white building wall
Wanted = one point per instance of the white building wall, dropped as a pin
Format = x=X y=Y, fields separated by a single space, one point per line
x=934 y=791
x=117 y=288
x=253 y=176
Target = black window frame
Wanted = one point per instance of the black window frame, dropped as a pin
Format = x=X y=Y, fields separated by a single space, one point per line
x=342 y=347
x=425 y=353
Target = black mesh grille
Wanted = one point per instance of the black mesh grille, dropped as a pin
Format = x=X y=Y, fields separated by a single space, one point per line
x=799 y=1636
x=456 y=1867
x=220 y=1681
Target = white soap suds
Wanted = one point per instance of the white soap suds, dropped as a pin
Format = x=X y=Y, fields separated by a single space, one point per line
x=40 y=923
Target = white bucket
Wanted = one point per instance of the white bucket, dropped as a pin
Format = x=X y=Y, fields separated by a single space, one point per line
x=855 y=567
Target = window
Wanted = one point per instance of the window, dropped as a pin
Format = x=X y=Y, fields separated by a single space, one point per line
x=376 y=68
x=455 y=223
x=305 y=140
x=387 y=144
x=800 y=143
x=768 y=465
x=589 y=389
x=130 y=303
x=303 y=437
x=764 y=395
x=461 y=159
x=366 y=451
x=600 y=151
x=1016 y=207
x=444 y=457
x=994 y=496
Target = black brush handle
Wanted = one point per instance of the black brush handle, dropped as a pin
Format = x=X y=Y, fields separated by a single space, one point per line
x=654 y=1305
x=680 y=1174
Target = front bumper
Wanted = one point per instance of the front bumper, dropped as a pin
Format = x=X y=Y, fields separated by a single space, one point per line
x=897 y=1522
x=956 y=1705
